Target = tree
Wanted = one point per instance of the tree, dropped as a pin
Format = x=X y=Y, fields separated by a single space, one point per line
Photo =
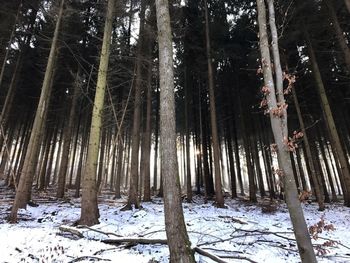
x=214 y=130
x=328 y=116
x=23 y=193
x=178 y=241
x=347 y=3
x=133 y=198
x=278 y=117
x=89 y=207
x=67 y=133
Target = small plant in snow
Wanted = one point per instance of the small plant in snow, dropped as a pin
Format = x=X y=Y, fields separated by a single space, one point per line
x=317 y=229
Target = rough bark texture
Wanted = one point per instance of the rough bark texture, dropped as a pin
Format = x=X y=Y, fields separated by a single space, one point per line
x=89 y=208
x=179 y=244
x=23 y=193
x=300 y=229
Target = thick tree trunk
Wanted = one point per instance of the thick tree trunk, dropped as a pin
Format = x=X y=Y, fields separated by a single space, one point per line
x=219 y=198
x=89 y=207
x=178 y=241
x=23 y=192
x=279 y=126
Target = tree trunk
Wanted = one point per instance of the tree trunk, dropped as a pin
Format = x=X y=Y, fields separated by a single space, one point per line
x=318 y=189
x=23 y=192
x=8 y=48
x=347 y=3
x=89 y=207
x=219 y=198
x=133 y=198
x=335 y=140
x=156 y=138
x=146 y=149
x=279 y=126
x=342 y=41
x=187 y=130
x=178 y=241
x=67 y=133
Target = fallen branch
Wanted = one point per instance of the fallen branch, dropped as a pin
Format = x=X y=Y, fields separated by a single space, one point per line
x=239 y=257
x=88 y=258
x=263 y=232
x=135 y=240
x=236 y=220
x=98 y=231
x=71 y=230
x=209 y=255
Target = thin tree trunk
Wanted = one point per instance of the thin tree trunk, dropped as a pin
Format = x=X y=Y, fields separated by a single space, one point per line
x=146 y=149
x=219 y=198
x=342 y=41
x=329 y=173
x=8 y=48
x=318 y=189
x=133 y=197
x=67 y=133
x=156 y=138
x=187 y=144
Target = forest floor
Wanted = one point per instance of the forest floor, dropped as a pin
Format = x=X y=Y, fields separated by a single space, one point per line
x=241 y=233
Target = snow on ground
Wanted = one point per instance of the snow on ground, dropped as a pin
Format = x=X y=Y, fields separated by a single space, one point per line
x=240 y=230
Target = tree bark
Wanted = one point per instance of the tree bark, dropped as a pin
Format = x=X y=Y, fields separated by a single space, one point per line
x=23 y=192
x=9 y=44
x=342 y=41
x=334 y=136
x=318 y=189
x=219 y=198
x=146 y=149
x=89 y=207
x=133 y=198
x=179 y=244
x=67 y=133
x=279 y=126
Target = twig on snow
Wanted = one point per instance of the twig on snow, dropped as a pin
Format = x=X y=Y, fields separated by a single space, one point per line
x=135 y=240
x=219 y=258
x=98 y=231
x=239 y=257
x=236 y=220
x=209 y=255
